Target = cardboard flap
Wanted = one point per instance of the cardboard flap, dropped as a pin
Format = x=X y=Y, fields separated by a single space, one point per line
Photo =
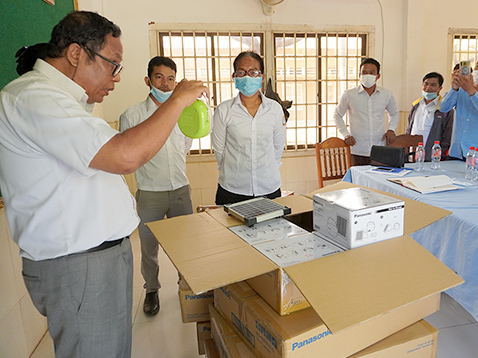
x=417 y=215
x=365 y=282
x=206 y=253
x=298 y=203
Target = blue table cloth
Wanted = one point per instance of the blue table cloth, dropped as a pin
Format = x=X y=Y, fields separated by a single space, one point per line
x=453 y=239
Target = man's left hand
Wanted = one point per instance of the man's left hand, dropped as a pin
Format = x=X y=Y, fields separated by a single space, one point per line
x=389 y=137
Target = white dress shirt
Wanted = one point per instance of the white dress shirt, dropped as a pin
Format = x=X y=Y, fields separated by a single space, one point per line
x=166 y=171
x=55 y=203
x=249 y=149
x=424 y=117
x=366 y=117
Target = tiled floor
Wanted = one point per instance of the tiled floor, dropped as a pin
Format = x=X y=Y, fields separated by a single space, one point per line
x=165 y=336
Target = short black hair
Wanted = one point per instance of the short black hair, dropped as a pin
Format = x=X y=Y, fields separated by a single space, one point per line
x=250 y=54
x=434 y=75
x=158 y=61
x=87 y=29
x=371 y=61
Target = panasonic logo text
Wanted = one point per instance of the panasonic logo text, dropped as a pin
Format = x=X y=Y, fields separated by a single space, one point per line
x=297 y=345
x=199 y=297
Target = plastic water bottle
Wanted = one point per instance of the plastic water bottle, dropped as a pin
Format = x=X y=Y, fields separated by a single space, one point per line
x=436 y=155
x=420 y=157
x=474 y=175
x=470 y=164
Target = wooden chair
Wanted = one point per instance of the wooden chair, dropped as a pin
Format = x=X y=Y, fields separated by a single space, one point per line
x=410 y=143
x=333 y=159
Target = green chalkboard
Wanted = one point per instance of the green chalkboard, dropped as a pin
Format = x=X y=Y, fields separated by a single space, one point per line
x=25 y=23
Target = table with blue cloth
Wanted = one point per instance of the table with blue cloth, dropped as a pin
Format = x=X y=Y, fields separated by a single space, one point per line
x=453 y=239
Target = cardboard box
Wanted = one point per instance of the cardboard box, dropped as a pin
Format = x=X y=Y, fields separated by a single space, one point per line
x=203 y=330
x=303 y=334
x=346 y=289
x=278 y=290
x=210 y=349
x=416 y=341
x=356 y=217
x=228 y=342
x=194 y=308
x=276 y=287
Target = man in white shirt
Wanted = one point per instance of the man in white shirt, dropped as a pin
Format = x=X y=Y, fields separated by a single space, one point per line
x=68 y=208
x=426 y=119
x=163 y=187
x=366 y=106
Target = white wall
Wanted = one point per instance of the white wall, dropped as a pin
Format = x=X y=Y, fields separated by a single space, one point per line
x=414 y=33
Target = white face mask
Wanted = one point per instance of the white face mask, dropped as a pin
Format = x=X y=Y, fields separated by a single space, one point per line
x=367 y=80
x=475 y=76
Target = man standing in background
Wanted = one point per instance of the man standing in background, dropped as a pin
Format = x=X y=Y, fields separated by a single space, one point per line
x=426 y=118
x=163 y=187
x=463 y=96
x=366 y=106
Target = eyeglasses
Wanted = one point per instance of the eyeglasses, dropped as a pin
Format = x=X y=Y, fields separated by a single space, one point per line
x=116 y=70
x=250 y=73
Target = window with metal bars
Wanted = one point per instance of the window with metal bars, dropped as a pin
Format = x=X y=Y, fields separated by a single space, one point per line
x=313 y=70
x=465 y=48
x=310 y=69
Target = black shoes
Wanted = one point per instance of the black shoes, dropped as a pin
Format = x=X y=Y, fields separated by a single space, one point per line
x=151 y=303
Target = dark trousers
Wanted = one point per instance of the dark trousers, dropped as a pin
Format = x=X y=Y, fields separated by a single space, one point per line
x=224 y=196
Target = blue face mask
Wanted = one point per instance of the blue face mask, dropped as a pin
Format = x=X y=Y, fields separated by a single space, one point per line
x=429 y=95
x=159 y=95
x=248 y=85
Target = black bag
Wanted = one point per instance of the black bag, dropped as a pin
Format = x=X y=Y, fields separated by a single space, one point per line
x=387 y=156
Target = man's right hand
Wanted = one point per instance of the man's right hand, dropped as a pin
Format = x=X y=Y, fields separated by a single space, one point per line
x=186 y=92
x=350 y=141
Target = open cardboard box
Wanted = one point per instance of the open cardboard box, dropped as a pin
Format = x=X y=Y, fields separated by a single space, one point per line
x=346 y=289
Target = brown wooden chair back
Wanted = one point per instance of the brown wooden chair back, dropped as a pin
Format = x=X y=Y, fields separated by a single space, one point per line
x=333 y=159
x=409 y=142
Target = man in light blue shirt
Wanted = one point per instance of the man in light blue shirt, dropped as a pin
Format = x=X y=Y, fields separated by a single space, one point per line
x=463 y=96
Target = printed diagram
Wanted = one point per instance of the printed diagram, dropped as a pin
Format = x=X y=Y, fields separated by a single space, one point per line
x=297 y=249
x=270 y=230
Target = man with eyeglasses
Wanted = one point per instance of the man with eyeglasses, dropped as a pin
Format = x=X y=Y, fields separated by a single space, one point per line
x=248 y=137
x=163 y=187
x=68 y=209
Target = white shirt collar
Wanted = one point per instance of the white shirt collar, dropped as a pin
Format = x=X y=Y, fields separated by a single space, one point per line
x=362 y=89
x=237 y=99
x=67 y=83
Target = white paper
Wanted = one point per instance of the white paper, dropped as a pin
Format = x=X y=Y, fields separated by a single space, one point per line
x=270 y=230
x=297 y=249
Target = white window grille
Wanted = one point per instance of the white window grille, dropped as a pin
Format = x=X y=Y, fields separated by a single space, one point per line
x=312 y=69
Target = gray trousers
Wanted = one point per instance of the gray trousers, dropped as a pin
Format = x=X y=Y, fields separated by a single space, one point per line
x=154 y=206
x=87 y=299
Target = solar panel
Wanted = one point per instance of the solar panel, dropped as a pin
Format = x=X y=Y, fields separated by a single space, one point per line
x=256 y=210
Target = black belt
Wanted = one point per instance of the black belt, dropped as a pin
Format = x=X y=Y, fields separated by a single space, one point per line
x=107 y=244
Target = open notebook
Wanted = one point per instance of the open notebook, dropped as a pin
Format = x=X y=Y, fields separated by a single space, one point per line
x=427 y=185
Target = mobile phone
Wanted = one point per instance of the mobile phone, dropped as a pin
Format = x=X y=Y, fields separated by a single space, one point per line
x=384 y=169
x=465 y=68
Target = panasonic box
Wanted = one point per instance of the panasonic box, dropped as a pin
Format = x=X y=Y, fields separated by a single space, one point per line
x=356 y=217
